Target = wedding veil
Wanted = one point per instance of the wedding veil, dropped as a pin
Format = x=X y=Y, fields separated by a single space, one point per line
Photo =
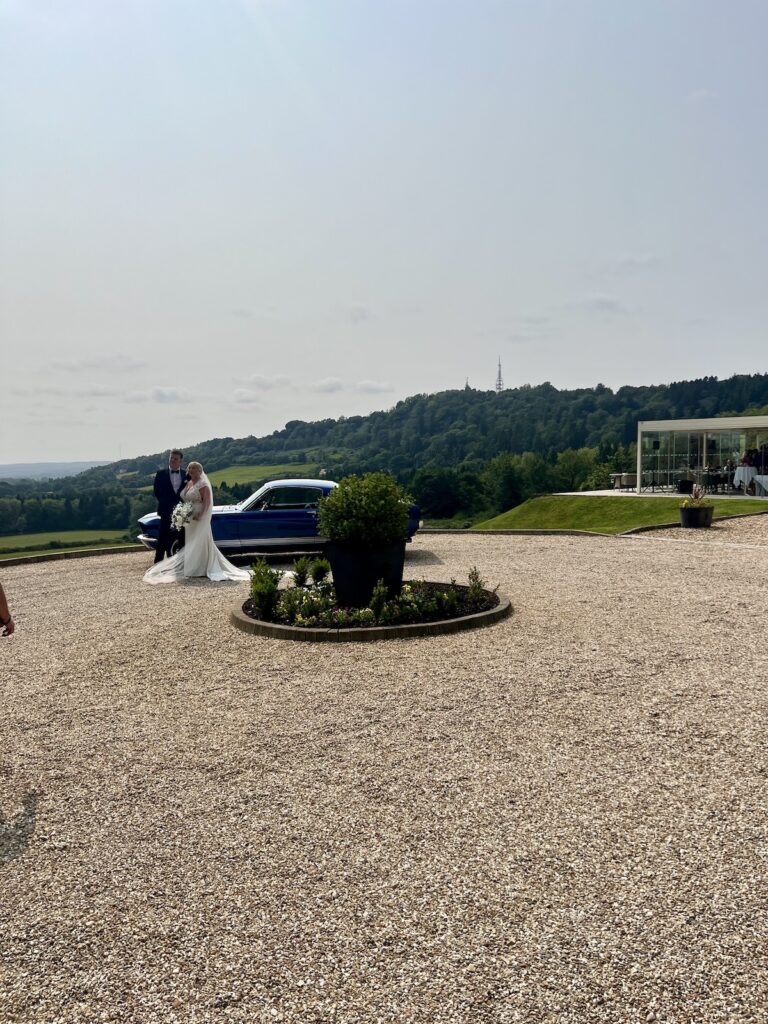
x=204 y=481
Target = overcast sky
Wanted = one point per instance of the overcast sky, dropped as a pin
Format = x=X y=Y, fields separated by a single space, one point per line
x=220 y=215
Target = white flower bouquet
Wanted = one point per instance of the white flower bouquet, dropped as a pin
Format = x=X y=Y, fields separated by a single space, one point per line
x=182 y=514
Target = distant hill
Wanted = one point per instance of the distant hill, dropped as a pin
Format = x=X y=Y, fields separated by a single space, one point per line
x=454 y=427
x=46 y=470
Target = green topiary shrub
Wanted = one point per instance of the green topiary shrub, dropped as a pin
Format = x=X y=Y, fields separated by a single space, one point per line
x=365 y=511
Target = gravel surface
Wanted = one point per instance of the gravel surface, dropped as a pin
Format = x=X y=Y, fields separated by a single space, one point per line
x=559 y=818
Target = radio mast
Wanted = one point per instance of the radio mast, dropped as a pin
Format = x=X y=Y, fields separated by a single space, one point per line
x=499 y=378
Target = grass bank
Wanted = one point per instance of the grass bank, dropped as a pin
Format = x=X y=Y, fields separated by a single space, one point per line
x=250 y=474
x=29 y=543
x=606 y=514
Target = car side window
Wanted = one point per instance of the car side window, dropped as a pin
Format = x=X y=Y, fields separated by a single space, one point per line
x=291 y=498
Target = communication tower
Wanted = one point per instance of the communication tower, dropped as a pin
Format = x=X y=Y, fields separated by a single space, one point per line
x=499 y=378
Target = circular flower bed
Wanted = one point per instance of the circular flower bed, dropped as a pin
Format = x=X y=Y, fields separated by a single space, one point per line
x=308 y=610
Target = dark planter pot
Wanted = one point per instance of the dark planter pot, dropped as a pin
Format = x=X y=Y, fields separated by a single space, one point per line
x=696 y=518
x=685 y=486
x=356 y=570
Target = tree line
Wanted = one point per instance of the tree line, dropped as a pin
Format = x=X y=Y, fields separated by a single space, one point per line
x=100 y=509
x=458 y=452
x=452 y=427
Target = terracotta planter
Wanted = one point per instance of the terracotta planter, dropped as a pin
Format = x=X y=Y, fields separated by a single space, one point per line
x=357 y=569
x=696 y=517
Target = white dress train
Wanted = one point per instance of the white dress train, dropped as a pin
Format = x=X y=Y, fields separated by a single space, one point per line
x=199 y=556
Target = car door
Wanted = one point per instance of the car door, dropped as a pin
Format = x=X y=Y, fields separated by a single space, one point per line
x=285 y=516
x=225 y=532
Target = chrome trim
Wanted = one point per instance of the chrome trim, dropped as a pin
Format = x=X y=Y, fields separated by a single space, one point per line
x=280 y=542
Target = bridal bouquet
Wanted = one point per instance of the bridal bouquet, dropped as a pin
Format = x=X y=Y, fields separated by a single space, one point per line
x=182 y=515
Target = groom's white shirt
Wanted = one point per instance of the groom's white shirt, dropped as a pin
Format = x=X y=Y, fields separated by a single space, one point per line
x=175 y=479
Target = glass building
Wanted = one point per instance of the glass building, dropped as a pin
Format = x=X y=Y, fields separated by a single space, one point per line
x=701 y=451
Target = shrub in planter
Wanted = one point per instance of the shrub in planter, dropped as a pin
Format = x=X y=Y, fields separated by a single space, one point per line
x=696 y=512
x=365 y=520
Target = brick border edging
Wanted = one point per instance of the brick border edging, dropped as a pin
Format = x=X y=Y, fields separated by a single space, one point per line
x=276 y=631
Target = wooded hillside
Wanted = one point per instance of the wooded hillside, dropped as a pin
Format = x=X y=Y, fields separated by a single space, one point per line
x=452 y=427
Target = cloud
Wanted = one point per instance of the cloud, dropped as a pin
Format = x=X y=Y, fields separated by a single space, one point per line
x=331 y=385
x=113 y=363
x=162 y=396
x=245 y=397
x=636 y=264
x=98 y=391
x=603 y=305
x=522 y=339
x=372 y=387
x=262 y=383
x=242 y=313
x=701 y=96
x=51 y=391
x=328 y=385
x=358 y=314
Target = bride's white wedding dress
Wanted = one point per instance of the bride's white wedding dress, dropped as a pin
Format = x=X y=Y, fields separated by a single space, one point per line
x=199 y=556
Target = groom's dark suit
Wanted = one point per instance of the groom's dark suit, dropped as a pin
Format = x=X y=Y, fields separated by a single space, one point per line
x=167 y=499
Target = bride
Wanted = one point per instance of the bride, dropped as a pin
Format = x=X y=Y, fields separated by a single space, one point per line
x=199 y=556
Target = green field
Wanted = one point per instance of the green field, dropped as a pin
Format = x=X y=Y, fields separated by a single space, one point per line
x=64 y=539
x=248 y=474
x=606 y=514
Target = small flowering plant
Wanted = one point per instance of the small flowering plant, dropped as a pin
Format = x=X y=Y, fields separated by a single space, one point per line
x=697 y=499
x=182 y=515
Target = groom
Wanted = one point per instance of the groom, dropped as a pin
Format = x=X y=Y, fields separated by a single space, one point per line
x=168 y=484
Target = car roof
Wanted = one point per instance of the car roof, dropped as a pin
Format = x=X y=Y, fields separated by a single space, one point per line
x=295 y=482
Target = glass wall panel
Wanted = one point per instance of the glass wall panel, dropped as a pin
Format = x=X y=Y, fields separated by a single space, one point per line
x=708 y=457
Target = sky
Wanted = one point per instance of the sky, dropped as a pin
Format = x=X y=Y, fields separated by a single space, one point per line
x=217 y=216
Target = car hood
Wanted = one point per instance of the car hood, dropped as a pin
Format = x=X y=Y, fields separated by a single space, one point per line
x=152 y=517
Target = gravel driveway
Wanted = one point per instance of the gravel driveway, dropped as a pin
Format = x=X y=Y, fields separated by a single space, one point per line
x=559 y=818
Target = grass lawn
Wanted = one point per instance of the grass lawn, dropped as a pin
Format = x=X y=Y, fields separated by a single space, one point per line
x=606 y=514
x=31 y=542
x=248 y=474
x=461 y=521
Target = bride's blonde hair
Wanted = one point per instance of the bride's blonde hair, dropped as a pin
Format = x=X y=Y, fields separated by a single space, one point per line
x=194 y=465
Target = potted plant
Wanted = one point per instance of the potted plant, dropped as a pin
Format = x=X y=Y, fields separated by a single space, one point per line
x=365 y=520
x=696 y=511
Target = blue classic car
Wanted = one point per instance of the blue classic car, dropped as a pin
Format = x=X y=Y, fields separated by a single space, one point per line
x=281 y=514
